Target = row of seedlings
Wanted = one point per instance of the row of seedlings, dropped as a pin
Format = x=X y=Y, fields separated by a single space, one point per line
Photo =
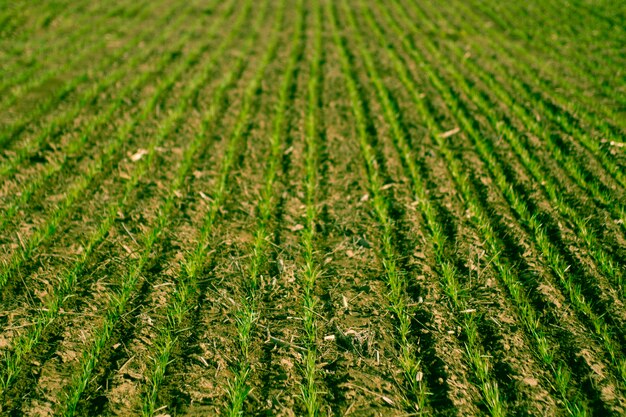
x=247 y=313
x=311 y=270
x=413 y=385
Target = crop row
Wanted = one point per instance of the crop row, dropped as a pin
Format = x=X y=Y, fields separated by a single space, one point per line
x=311 y=269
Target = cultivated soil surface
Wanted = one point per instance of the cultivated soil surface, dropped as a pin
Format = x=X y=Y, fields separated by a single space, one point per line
x=312 y=208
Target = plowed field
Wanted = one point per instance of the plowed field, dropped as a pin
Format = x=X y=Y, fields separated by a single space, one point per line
x=312 y=208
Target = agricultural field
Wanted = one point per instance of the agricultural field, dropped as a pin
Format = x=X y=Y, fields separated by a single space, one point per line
x=312 y=208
